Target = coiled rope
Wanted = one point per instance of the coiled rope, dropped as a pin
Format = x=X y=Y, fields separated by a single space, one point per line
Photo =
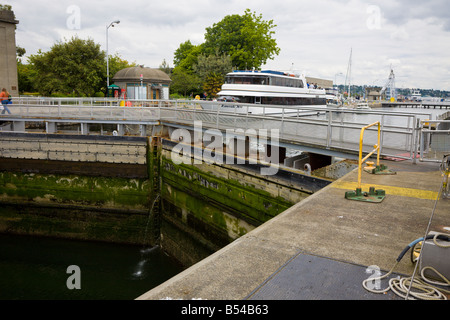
x=425 y=289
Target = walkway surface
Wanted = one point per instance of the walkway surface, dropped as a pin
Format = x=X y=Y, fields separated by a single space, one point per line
x=321 y=247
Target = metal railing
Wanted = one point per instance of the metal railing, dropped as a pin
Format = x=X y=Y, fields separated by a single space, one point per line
x=434 y=139
x=329 y=128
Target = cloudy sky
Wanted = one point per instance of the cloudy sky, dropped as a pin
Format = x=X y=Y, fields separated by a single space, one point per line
x=315 y=36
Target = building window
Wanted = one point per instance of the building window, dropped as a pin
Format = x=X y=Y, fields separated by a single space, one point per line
x=136 y=91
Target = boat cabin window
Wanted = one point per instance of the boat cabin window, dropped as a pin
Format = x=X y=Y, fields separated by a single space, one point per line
x=265 y=80
x=261 y=80
x=287 y=82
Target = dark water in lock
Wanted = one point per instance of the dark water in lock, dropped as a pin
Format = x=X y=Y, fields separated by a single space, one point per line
x=36 y=268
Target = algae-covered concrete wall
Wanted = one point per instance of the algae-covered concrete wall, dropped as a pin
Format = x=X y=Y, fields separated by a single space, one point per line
x=72 y=186
x=73 y=206
x=96 y=192
x=213 y=204
x=190 y=210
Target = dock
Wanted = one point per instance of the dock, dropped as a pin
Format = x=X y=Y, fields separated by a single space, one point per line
x=417 y=104
x=320 y=248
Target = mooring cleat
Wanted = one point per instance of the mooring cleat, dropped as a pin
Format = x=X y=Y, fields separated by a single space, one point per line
x=381 y=169
x=373 y=195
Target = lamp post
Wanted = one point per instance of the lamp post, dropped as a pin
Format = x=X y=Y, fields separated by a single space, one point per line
x=335 y=76
x=107 y=54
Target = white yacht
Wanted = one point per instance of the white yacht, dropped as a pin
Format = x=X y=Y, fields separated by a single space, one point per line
x=415 y=95
x=362 y=105
x=269 y=88
x=333 y=97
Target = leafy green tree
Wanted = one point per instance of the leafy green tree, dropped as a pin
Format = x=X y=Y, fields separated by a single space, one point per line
x=184 y=82
x=26 y=75
x=24 y=72
x=218 y=64
x=247 y=39
x=243 y=41
x=212 y=70
x=186 y=56
x=184 y=79
x=20 y=52
x=6 y=7
x=182 y=52
x=116 y=63
x=75 y=67
x=213 y=84
x=165 y=67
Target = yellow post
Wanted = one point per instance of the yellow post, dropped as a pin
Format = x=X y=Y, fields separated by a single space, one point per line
x=377 y=149
x=373 y=195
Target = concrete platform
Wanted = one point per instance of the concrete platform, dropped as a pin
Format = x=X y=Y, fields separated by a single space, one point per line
x=308 y=277
x=321 y=247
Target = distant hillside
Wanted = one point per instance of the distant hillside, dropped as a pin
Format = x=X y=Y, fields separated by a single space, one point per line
x=359 y=91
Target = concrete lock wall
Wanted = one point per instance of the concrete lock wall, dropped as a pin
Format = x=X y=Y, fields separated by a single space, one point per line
x=128 y=190
x=8 y=62
x=88 y=188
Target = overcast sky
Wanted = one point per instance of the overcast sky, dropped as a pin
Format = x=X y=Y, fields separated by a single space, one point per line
x=315 y=36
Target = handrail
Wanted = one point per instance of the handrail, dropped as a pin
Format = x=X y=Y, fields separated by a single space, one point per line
x=332 y=129
x=376 y=148
x=427 y=129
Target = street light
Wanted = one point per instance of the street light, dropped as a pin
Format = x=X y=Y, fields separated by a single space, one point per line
x=335 y=76
x=107 y=54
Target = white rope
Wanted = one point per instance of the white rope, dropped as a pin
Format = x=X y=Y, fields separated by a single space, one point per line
x=403 y=286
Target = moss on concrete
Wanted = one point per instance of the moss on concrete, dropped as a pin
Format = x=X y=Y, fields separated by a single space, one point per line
x=102 y=192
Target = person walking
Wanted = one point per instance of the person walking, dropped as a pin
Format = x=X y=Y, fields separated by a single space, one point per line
x=4 y=97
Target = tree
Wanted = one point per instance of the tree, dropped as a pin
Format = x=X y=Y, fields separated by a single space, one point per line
x=212 y=70
x=26 y=75
x=183 y=77
x=247 y=39
x=213 y=84
x=218 y=64
x=116 y=63
x=20 y=52
x=76 y=66
x=165 y=67
x=186 y=56
x=184 y=82
x=6 y=7
x=182 y=52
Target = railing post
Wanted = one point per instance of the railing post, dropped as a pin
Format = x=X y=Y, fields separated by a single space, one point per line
x=421 y=141
x=380 y=143
x=415 y=138
x=329 y=128
x=218 y=117
x=176 y=110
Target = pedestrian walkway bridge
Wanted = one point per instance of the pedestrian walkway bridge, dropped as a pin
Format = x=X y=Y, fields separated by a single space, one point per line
x=328 y=131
